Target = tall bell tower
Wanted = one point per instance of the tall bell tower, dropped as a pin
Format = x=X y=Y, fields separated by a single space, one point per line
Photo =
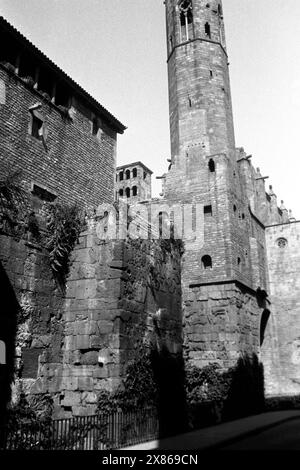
x=199 y=87
x=222 y=271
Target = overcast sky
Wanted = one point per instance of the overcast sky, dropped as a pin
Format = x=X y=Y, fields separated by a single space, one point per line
x=116 y=49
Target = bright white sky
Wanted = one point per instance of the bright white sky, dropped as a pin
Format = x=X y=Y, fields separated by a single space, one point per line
x=116 y=49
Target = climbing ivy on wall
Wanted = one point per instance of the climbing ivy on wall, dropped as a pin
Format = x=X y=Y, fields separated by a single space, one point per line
x=64 y=224
x=14 y=203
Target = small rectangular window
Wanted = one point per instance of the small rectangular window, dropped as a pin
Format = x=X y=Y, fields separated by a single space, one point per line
x=43 y=193
x=208 y=210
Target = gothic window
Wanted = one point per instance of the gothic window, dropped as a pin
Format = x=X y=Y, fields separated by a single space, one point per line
x=186 y=19
x=211 y=166
x=134 y=191
x=127 y=190
x=121 y=192
x=207 y=30
x=127 y=173
x=206 y=262
x=134 y=173
x=121 y=176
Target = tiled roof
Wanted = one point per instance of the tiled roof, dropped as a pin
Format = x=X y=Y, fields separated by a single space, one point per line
x=114 y=122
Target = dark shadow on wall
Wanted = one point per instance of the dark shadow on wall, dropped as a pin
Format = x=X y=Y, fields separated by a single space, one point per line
x=246 y=391
x=193 y=398
x=169 y=376
x=8 y=325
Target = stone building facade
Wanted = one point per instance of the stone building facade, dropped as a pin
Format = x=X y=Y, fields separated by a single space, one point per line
x=62 y=140
x=234 y=291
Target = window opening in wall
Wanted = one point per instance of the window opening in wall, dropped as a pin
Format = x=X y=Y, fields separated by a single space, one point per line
x=134 y=173
x=43 y=193
x=211 y=74
x=234 y=208
x=121 y=176
x=95 y=127
x=207 y=30
x=145 y=175
x=239 y=261
x=220 y=10
x=121 y=192
x=127 y=173
x=206 y=262
x=186 y=19
x=127 y=192
x=37 y=127
x=211 y=166
x=62 y=97
x=134 y=190
x=208 y=210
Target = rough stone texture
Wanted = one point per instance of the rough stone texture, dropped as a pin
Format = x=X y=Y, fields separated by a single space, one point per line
x=281 y=347
x=37 y=313
x=120 y=294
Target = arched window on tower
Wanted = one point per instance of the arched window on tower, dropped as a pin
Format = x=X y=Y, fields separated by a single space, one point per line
x=206 y=262
x=134 y=191
x=127 y=191
x=134 y=173
x=186 y=20
x=127 y=173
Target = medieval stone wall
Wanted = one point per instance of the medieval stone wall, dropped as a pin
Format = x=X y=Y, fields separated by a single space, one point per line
x=31 y=324
x=120 y=295
x=221 y=324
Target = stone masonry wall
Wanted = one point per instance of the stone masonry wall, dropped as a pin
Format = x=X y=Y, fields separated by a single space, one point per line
x=281 y=346
x=120 y=294
x=32 y=303
x=221 y=323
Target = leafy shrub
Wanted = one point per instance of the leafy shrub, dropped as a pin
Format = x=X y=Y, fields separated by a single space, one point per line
x=206 y=384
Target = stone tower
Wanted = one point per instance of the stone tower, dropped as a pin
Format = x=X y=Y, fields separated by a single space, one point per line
x=200 y=100
x=222 y=271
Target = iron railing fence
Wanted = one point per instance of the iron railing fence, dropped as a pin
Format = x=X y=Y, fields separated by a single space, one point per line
x=99 y=432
